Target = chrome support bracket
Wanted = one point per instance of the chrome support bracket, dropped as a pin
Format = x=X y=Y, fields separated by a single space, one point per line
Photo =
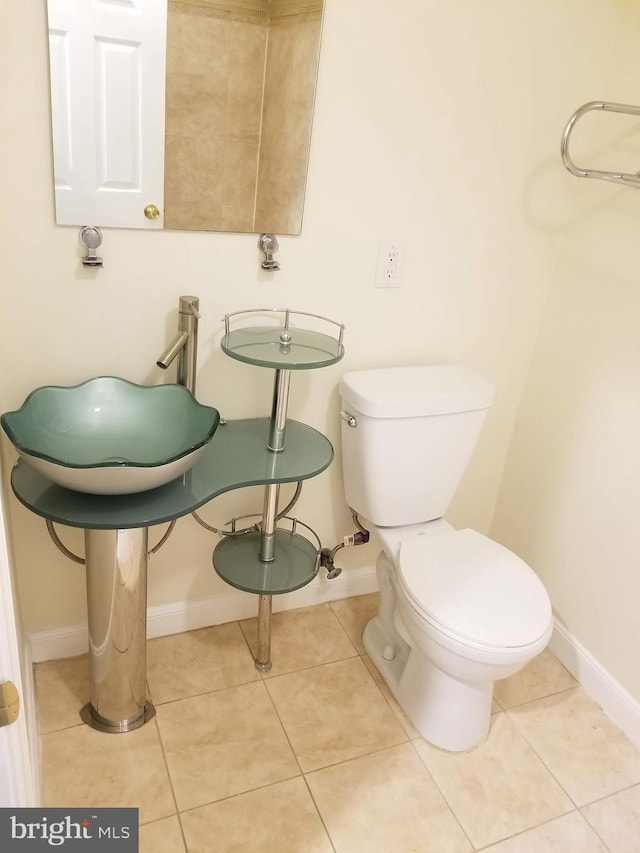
x=268 y=243
x=91 y=238
x=71 y=556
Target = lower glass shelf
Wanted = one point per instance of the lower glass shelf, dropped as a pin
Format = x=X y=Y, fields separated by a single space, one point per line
x=236 y=559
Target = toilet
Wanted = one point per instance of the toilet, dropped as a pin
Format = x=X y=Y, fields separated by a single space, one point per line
x=457 y=610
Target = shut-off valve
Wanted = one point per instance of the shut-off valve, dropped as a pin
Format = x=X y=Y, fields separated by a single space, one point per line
x=327 y=555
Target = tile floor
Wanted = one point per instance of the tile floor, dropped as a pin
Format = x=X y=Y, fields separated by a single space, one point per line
x=316 y=756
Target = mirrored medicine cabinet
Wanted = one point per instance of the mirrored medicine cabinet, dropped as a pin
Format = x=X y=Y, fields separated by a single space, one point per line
x=183 y=114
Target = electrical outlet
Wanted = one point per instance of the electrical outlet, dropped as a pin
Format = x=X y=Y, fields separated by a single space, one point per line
x=390 y=263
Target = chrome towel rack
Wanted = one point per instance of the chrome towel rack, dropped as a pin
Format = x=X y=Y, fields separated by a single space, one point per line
x=614 y=177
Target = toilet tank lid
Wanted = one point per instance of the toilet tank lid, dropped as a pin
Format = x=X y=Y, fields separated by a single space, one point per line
x=405 y=392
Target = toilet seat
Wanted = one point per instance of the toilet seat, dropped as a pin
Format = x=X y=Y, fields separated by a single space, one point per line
x=503 y=604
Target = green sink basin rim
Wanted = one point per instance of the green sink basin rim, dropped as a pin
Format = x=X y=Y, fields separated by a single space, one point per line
x=110 y=422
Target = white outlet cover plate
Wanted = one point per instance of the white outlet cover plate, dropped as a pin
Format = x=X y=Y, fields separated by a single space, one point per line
x=390 y=263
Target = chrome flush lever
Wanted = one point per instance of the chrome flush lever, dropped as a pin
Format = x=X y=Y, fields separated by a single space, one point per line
x=269 y=245
x=349 y=419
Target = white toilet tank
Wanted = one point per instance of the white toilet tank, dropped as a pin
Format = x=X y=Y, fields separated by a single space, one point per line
x=416 y=430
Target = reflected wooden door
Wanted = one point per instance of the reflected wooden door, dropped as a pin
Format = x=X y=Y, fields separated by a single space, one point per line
x=107 y=60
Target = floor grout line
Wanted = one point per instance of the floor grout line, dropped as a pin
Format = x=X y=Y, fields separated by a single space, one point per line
x=317 y=808
x=441 y=792
x=524 y=831
x=532 y=746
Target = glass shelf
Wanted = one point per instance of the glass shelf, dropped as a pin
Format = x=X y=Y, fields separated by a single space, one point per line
x=283 y=347
x=235 y=457
x=261 y=346
x=295 y=563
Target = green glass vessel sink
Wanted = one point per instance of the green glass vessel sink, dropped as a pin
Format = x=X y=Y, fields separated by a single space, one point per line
x=109 y=436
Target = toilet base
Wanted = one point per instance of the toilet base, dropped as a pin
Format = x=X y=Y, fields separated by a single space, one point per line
x=449 y=713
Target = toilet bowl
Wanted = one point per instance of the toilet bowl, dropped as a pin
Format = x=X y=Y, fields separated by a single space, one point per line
x=457 y=610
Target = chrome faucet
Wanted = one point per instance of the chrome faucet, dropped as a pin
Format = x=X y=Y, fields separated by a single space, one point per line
x=185 y=344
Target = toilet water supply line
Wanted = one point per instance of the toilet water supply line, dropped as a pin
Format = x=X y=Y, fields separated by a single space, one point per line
x=327 y=555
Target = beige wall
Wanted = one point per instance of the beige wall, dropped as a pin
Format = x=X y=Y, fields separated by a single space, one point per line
x=570 y=498
x=445 y=136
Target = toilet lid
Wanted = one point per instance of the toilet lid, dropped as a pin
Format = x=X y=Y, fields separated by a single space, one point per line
x=474 y=589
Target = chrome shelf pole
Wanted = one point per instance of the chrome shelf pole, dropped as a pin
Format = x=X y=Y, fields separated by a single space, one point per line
x=263 y=658
x=275 y=444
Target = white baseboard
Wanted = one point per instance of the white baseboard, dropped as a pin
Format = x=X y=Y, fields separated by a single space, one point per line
x=615 y=701
x=189 y=615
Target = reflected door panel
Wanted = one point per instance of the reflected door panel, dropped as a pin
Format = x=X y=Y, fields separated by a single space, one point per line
x=107 y=84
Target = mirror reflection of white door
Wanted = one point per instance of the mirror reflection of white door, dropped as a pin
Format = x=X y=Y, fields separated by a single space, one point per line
x=18 y=782
x=107 y=61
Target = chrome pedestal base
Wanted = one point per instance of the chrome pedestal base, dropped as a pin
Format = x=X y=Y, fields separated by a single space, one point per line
x=116 y=566
x=89 y=716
